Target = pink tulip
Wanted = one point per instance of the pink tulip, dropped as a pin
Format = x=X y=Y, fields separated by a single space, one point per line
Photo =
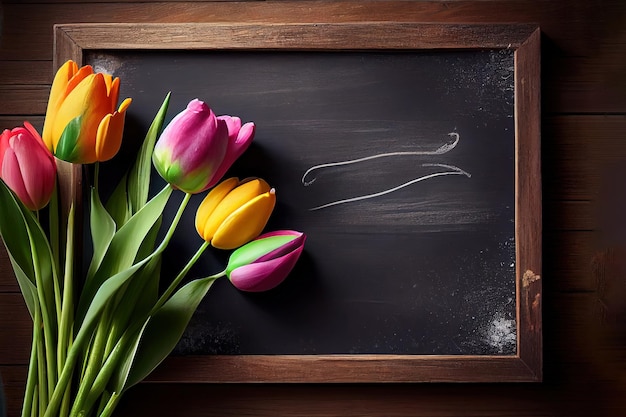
x=239 y=138
x=27 y=166
x=196 y=148
x=265 y=262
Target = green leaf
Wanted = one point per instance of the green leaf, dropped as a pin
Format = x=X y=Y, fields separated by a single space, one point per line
x=67 y=148
x=118 y=205
x=122 y=250
x=28 y=289
x=13 y=231
x=138 y=297
x=131 y=193
x=164 y=329
x=17 y=227
x=122 y=372
x=139 y=177
x=102 y=231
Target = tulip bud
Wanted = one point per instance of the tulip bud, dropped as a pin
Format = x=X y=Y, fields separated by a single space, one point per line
x=265 y=262
x=196 y=148
x=27 y=166
x=233 y=213
x=82 y=124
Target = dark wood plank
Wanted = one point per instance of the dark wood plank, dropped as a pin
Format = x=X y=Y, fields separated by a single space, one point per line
x=26 y=73
x=584 y=72
x=9 y=122
x=576 y=364
x=575 y=40
x=25 y=99
x=583 y=154
x=15 y=329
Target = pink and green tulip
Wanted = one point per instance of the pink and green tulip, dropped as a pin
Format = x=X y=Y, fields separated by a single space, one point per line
x=27 y=166
x=233 y=213
x=82 y=124
x=265 y=262
x=196 y=148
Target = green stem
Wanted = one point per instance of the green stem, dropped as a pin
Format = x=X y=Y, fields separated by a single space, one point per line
x=127 y=337
x=41 y=372
x=64 y=410
x=34 y=410
x=48 y=335
x=94 y=362
x=172 y=228
x=172 y=287
x=84 y=335
x=67 y=306
x=111 y=404
x=31 y=380
x=96 y=174
x=53 y=226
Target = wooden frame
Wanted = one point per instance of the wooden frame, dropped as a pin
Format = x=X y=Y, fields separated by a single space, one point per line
x=72 y=41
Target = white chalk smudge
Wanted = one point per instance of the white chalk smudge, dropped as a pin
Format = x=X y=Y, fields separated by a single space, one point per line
x=501 y=334
x=447 y=147
x=439 y=151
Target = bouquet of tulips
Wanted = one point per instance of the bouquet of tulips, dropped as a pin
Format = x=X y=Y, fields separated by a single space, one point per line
x=99 y=332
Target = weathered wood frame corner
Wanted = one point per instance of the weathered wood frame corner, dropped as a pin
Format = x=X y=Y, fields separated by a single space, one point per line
x=73 y=40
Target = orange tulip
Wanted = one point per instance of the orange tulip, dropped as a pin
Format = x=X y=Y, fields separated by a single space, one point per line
x=82 y=124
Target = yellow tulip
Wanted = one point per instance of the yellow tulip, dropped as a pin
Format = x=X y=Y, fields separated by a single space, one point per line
x=233 y=213
x=82 y=124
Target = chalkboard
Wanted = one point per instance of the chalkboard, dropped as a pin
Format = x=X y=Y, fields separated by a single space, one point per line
x=403 y=163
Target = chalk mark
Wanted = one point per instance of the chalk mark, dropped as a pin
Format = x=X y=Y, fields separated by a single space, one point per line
x=439 y=151
x=454 y=171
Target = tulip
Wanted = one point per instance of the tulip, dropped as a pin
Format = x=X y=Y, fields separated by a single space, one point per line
x=265 y=262
x=27 y=166
x=239 y=138
x=233 y=213
x=196 y=148
x=82 y=125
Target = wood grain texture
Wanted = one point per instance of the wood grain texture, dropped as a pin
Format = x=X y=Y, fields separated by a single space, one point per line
x=72 y=40
x=584 y=104
x=528 y=204
x=584 y=69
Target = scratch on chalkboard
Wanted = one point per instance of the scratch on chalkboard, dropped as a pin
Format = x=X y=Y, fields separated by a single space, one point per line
x=452 y=170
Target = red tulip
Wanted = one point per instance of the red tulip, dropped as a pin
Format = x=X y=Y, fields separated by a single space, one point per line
x=27 y=166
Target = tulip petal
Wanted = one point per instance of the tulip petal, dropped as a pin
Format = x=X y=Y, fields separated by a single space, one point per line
x=265 y=248
x=110 y=131
x=4 y=144
x=234 y=125
x=191 y=148
x=55 y=127
x=298 y=239
x=27 y=166
x=77 y=79
x=264 y=276
x=236 y=147
x=245 y=223
x=12 y=176
x=206 y=208
x=231 y=202
x=37 y=168
x=57 y=94
x=88 y=99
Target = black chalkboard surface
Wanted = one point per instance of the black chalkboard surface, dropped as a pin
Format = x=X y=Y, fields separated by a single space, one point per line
x=401 y=165
x=428 y=268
